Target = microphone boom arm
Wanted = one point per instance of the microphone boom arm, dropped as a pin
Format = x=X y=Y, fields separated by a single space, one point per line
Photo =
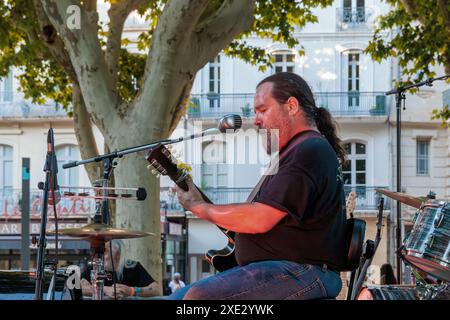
x=224 y=125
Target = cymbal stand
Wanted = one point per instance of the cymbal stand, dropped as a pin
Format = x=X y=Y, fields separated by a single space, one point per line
x=98 y=274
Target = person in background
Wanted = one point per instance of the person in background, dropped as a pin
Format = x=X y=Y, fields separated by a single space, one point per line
x=387 y=275
x=176 y=282
x=132 y=280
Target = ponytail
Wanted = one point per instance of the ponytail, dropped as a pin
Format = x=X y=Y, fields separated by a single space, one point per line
x=327 y=127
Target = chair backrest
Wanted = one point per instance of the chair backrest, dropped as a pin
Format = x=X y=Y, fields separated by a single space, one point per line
x=356 y=229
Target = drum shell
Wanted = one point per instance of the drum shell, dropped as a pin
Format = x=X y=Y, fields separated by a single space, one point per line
x=427 y=247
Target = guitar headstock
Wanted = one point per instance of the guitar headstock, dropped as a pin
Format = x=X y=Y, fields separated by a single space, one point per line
x=163 y=162
x=351 y=203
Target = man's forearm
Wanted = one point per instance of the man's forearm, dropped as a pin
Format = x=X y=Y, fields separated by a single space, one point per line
x=149 y=291
x=241 y=217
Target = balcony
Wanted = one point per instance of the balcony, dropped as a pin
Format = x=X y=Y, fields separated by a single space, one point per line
x=353 y=103
x=16 y=106
x=367 y=198
x=354 y=18
x=338 y=103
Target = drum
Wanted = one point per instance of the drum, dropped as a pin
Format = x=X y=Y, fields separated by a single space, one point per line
x=20 y=285
x=405 y=292
x=427 y=247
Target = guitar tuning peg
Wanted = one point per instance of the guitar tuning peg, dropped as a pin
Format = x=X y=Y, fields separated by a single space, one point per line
x=155 y=172
x=150 y=167
x=157 y=175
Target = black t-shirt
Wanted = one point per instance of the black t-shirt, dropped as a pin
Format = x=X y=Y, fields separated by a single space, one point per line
x=134 y=275
x=309 y=187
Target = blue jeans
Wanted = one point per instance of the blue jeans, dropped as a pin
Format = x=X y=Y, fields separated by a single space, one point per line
x=273 y=280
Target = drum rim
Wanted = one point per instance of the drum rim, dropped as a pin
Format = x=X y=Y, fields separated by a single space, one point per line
x=418 y=254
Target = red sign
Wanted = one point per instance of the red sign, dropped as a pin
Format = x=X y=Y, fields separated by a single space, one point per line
x=73 y=207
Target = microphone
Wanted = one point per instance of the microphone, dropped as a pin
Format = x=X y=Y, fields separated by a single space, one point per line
x=230 y=122
x=52 y=165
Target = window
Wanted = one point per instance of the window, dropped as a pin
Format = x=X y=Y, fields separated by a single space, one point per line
x=354 y=11
x=65 y=154
x=423 y=157
x=6 y=178
x=214 y=82
x=214 y=167
x=284 y=62
x=6 y=88
x=353 y=78
x=354 y=171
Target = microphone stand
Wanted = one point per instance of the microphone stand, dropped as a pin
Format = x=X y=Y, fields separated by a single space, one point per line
x=108 y=166
x=50 y=169
x=102 y=215
x=108 y=158
x=399 y=97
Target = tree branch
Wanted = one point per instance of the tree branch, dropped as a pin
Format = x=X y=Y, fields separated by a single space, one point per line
x=87 y=58
x=411 y=9
x=56 y=47
x=173 y=30
x=83 y=132
x=174 y=60
x=180 y=111
x=118 y=13
x=232 y=18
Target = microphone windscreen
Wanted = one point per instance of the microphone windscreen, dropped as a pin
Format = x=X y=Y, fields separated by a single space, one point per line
x=230 y=122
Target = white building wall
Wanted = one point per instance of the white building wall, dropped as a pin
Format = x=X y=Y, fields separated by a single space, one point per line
x=204 y=236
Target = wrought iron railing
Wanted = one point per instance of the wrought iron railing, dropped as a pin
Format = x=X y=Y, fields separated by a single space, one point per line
x=351 y=103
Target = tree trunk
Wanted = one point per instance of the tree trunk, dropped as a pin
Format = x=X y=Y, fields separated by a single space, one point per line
x=84 y=133
x=131 y=172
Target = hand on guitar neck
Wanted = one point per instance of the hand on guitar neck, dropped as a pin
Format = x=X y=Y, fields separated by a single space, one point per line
x=191 y=199
x=189 y=195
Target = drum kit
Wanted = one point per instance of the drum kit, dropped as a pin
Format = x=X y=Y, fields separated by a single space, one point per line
x=98 y=235
x=426 y=249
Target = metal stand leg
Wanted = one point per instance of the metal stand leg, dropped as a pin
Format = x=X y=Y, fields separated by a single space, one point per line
x=98 y=274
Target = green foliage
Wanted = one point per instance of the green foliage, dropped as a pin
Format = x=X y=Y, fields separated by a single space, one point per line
x=131 y=71
x=417 y=46
x=276 y=20
x=419 y=40
x=43 y=78
x=443 y=114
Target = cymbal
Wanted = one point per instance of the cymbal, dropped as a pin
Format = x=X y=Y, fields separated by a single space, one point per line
x=415 y=202
x=99 y=231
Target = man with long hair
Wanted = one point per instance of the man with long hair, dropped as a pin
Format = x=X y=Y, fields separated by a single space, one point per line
x=131 y=278
x=290 y=234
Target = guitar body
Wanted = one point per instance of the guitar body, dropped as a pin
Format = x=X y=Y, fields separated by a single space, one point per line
x=161 y=159
x=223 y=259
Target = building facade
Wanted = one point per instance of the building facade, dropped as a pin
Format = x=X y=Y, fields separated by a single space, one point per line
x=343 y=78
